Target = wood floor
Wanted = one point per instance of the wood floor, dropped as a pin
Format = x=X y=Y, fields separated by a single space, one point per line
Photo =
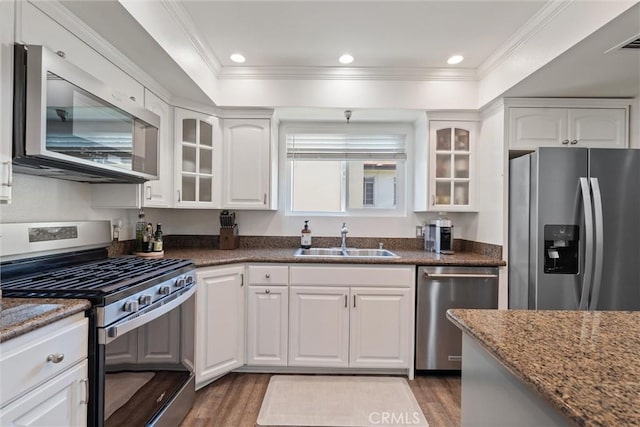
x=235 y=400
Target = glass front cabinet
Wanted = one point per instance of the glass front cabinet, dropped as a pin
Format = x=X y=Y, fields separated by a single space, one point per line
x=198 y=159
x=452 y=146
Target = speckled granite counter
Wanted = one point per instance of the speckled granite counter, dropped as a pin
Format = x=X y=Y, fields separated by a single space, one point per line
x=586 y=364
x=209 y=257
x=21 y=315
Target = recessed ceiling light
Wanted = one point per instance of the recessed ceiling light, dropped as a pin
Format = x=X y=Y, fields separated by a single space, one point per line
x=346 y=59
x=237 y=57
x=455 y=59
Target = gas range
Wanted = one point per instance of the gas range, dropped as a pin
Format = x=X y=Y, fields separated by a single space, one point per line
x=141 y=322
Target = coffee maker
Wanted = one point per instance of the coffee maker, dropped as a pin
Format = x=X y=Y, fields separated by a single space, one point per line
x=438 y=237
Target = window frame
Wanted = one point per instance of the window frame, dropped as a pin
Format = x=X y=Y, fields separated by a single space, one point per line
x=402 y=181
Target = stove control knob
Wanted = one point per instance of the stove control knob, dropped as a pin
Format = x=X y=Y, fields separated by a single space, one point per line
x=189 y=280
x=164 y=290
x=145 y=299
x=180 y=283
x=131 y=306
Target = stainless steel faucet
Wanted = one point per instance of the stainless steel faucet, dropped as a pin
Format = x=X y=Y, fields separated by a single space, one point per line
x=343 y=232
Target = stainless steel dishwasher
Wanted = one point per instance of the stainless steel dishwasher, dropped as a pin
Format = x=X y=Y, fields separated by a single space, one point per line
x=438 y=341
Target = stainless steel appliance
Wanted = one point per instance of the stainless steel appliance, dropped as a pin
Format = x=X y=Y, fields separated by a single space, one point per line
x=573 y=229
x=439 y=236
x=438 y=341
x=141 y=323
x=69 y=125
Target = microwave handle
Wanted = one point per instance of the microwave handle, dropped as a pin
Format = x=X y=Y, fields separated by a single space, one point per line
x=111 y=333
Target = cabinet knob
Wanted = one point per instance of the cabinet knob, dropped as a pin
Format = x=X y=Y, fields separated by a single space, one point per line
x=268 y=291
x=55 y=357
x=61 y=54
x=268 y=276
x=133 y=98
x=565 y=141
x=574 y=142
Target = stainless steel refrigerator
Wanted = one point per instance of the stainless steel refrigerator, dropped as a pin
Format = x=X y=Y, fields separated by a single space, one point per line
x=574 y=229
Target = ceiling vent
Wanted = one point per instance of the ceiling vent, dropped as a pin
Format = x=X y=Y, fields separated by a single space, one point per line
x=633 y=44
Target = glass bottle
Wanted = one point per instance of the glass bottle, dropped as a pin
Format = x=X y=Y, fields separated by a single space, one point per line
x=157 y=242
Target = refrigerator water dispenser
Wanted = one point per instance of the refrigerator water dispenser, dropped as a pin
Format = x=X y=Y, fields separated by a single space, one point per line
x=561 y=249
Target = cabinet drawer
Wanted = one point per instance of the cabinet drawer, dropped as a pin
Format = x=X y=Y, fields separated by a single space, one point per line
x=268 y=274
x=23 y=360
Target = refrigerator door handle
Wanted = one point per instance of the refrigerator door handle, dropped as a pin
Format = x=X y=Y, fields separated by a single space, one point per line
x=588 y=256
x=599 y=224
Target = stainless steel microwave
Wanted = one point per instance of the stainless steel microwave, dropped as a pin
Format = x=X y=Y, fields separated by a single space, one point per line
x=69 y=125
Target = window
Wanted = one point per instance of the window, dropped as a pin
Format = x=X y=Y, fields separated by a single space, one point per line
x=345 y=173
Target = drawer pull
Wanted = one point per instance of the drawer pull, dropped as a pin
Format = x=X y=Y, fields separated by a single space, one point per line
x=268 y=276
x=268 y=291
x=55 y=357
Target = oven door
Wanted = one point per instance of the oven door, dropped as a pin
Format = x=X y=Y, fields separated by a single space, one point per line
x=147 y=369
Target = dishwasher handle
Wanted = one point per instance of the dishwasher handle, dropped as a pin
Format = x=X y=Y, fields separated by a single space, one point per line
x=459 y=276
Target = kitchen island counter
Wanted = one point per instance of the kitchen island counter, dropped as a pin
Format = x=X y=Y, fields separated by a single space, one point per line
x=584 y=364
x=21 y=315
x=210 y=257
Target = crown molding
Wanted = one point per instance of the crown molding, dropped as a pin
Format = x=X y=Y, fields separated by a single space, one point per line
x=349 y=73
x=540 y=20
x=187 y=26
x=63 y=16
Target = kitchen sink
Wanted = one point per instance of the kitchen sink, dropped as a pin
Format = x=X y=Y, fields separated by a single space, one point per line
x=347 y=253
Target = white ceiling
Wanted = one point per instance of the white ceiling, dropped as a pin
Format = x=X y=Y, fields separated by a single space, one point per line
x=376 y=33
x=400 y=35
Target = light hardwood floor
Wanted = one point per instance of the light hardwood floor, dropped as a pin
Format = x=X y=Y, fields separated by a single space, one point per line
x=235 y=400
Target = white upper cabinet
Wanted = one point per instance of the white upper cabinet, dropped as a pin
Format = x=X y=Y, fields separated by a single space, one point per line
x=198 y=143
x=157 y=194
x=6 y=98
x=585 y=123
x=452 y=147
x=246 y=164
x=35 y=27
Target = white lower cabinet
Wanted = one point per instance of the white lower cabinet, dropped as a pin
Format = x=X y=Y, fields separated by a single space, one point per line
x=44 y=375
x=267 y=325
x=220 y=322
x=59 y=402
x=380 y=327
x=319 y=326
x=351 y=316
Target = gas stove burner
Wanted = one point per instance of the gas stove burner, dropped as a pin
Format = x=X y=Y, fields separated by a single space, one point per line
x=95 y=279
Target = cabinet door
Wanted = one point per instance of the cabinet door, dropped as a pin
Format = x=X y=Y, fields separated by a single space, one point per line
x=598 y=127
x=61 y=401
x=198 y=156
x=6 y=98
x=35 y=27
x=530 y=128
x=220 y=332
x=318 y=326
x=123 y=350
x=158 y=193
x=380 y=326
x=268 y=325
x=246 y=163
x=452 y=148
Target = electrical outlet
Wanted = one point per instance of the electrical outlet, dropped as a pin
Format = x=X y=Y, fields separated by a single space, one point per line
x=419 y=231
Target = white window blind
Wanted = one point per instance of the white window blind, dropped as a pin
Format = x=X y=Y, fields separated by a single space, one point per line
x=346 y=147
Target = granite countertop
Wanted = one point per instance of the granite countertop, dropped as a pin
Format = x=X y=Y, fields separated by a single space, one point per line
x=21 y=315
x=586 y=364
x=210 y=257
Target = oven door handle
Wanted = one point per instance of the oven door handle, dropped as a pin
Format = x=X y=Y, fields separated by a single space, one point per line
x=165 y=305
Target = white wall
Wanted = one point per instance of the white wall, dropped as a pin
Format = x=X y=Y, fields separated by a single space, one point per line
x=37 y=199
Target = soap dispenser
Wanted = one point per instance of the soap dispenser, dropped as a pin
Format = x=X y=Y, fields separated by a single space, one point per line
x=305 y=238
